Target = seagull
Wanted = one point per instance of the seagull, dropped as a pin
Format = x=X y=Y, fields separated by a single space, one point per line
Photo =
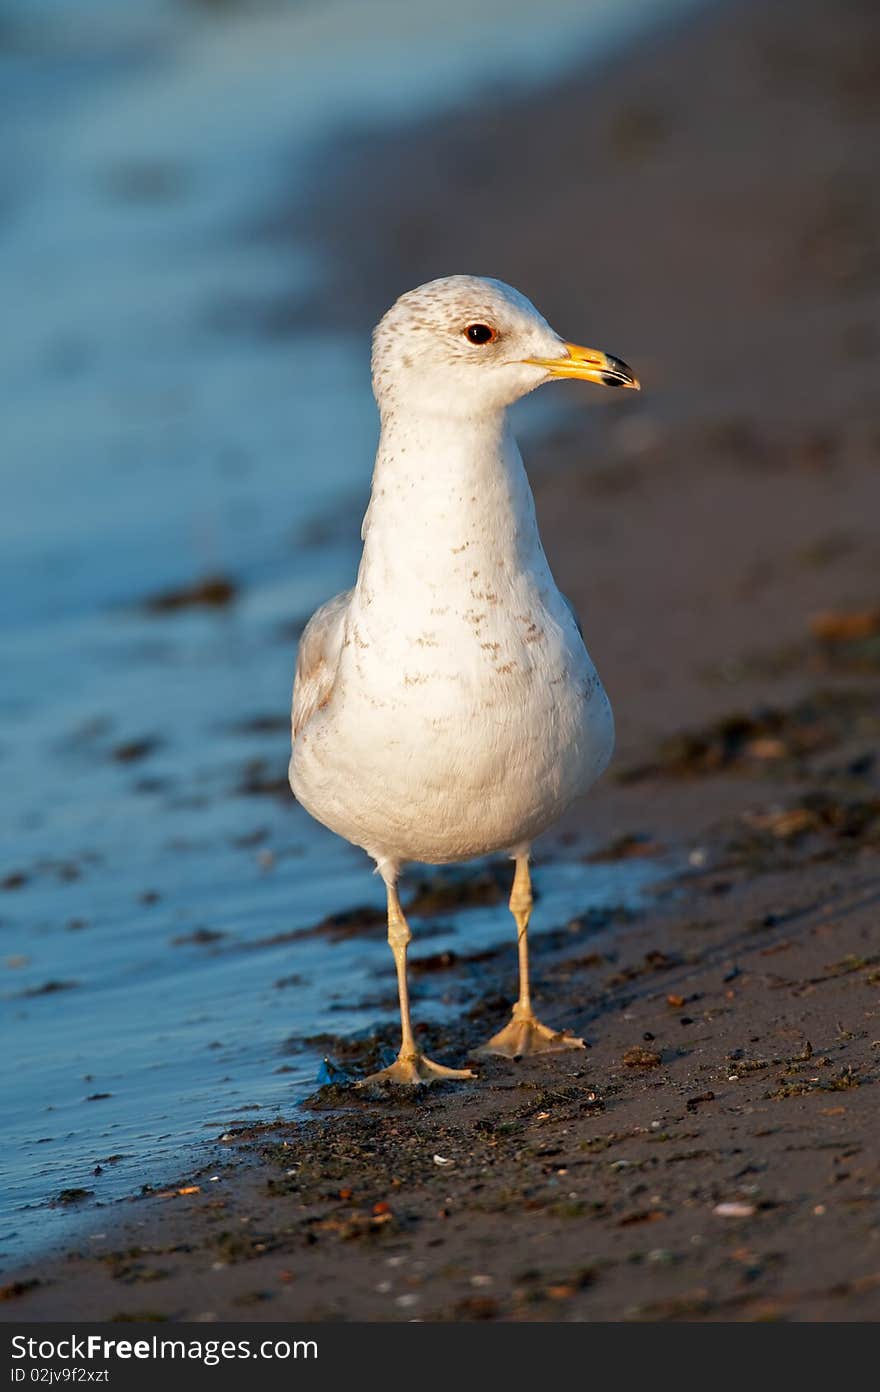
x=446 y=707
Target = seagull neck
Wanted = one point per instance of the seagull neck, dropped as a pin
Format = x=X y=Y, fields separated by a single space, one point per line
x=441 y=434
x=442 y=479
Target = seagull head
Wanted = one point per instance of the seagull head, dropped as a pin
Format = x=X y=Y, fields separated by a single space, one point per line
x=466 y=345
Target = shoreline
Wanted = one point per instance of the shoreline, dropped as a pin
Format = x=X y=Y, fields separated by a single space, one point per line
x=732 y=1028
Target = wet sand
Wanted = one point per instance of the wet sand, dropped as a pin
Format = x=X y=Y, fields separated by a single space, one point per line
x=705 y=208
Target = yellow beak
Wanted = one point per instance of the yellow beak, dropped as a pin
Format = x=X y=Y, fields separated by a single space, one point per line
x=588 y=365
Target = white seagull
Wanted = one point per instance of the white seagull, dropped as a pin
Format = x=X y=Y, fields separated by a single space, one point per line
x=446 y=707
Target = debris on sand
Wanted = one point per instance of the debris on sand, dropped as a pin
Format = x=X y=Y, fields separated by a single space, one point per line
x=846 y=640
x=734 y=1210
x=199 y=937
x=839 y=642
x=640 y=1057
x=262 y=778
x=781 y=823
x=752 y=741
x=133 y=750
x=211 y=592
x=847 y=821
x=434 y=962
x=264 y=723
x=456 y=887
x=73 y=1196
x=845 y=625
x=47 y=988
x=347 y=923
x=631 y=846
x=15 y=1289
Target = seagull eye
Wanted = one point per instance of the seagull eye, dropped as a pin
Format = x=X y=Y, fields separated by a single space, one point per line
x=480 y=333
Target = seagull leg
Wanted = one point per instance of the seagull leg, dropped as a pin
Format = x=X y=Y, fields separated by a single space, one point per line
x=411 y=1065
x=525 y=1034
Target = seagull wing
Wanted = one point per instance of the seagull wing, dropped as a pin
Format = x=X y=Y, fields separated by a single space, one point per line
x=318 y=659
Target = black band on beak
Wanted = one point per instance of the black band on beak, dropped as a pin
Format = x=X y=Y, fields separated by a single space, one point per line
x=618 y=374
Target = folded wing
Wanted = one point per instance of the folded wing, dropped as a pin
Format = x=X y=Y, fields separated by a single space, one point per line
x=318 y=659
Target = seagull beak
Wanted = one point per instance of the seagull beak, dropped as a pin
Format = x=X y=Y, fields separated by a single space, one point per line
x=588 y=365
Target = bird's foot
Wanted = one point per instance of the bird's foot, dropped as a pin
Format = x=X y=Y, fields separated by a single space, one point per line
x=410 y=1070
x=526 y=1035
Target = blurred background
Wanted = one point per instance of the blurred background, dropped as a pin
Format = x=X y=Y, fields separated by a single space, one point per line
x=205 y=205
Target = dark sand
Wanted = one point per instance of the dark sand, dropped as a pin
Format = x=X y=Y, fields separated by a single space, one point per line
x=709 y=210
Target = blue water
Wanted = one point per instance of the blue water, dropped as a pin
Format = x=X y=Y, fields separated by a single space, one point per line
x=144 y=445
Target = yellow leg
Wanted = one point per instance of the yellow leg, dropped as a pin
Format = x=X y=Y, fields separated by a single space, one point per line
x=525 y=1034
x=411 y=1065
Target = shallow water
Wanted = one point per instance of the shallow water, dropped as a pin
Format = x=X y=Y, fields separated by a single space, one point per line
x=151 y=438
